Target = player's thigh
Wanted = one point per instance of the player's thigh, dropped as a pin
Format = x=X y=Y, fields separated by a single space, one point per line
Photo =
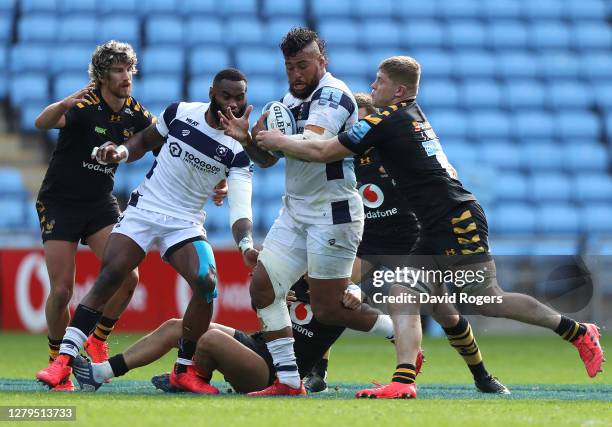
x=103 y=217
x=60 y=259
x=332 y=249
x=121 y=255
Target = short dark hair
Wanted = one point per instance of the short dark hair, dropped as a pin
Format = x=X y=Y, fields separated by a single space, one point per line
x=364 y=100
x=233 y=74
x=297 y=39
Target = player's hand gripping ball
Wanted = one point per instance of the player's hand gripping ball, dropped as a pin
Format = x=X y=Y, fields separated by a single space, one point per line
x=281 y=118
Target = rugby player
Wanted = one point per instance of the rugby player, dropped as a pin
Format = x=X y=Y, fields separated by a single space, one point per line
x=319 y=228
x=391 y=229
x=454 y=230
x=243 y=359
x=75 y=201
x=166 y=210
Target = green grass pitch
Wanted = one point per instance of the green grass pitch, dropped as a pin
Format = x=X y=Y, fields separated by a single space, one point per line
x=548 y=381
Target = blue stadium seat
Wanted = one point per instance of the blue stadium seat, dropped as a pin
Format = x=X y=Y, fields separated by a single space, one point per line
x=65 y=84
x=507 y=34
x=378 y=9
x=78 y=28
x=13 y=211
x=3 y=84
x=550 y=186
x=11 y=181
x=244 y=32
x=77 y=6
x=28 y=112
x=7 y=6
x=559 y=245
x=557 y=218
x=339 y=32
x=162 y=60
x=595 y=218
x=541 y=10
x=459 y=153
x=272 y=185
x=474 y=63
x=434 y=63
x=511 y=187
x=164 y=30
x=531 y=125
x=158 y=7
x=208 y=60
x=232 y=8
x=590 y=10
x=481 y=93
x=558 y=94
x=6 y=29
x=217 y=217
x=389 y=28
x=275 y=30
x=514 y=218
x=277 y=8
x=416 y=9
x=423 y=34
x=29 y=6
x=549 y=35
x=516 y=64
x=592 y=35
x=459 y=9
x=71 y=58
x=438 y=93
x=348 y=62
x=160 y=89
x=579 y=158
x=449 y=123
x=27 y=88
x=120 y=6
x=4 y=60
x=198 y=87
x=205 y=31
x=574 y=125
x=466 y=34
x=541 y=156
x=504 y=9
x=259 y=61
x=596 y=66
x=325 y=8
x=501 y=155
x=491 y=125
x=358 y=84
x=262 y=90
x=521 y=94
x=602 y=91
x=558 y=65
x=198 y=7
x=591 y=187
x=37 y=28
x=120 y=27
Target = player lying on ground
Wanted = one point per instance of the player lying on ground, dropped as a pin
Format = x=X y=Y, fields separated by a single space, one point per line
x=454 y=231
x=391 y=230
x=167 y=210
x=243 y=359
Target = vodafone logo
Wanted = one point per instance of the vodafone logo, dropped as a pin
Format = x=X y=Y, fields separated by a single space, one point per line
x=301 y=313
x=372 y=195
x=32 y=272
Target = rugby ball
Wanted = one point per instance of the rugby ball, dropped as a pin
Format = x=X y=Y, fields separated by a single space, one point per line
x=280 y=118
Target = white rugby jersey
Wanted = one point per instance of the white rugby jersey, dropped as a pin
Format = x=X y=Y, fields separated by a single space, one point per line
x=319 y=193
x=190 y=164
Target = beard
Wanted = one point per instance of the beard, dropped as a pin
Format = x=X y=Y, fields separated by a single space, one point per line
x=215 y=107
x=306 y=92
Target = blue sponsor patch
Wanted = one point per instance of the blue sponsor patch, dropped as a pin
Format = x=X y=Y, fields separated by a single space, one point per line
x=330 y=96
x=358 y=131
x=432 y=147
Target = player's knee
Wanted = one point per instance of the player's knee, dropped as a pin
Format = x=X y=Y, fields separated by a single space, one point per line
x=205 y=284
x=109 y=280
x=172 y=329
x=60 y=295
x=131 y=281
x=326 y=313
x=210 y=341
x=261 y=296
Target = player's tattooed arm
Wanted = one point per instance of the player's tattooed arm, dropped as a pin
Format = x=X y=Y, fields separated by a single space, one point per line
x=313 y=150
x=131 y=150
x=238 y=128
x=242 y=230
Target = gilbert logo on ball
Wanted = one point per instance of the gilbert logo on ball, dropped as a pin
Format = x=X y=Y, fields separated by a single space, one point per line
x=372 y=195
x=281 y=118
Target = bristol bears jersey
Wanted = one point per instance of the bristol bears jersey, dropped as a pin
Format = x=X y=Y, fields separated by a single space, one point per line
x=193 y=160
x=318 y=193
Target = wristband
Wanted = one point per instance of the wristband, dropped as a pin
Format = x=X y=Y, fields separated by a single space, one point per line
x=245 y=244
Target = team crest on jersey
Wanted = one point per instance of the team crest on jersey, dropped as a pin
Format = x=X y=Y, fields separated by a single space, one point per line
x=372 y=195
x=417 y=126
x=301 y=313
x=221 y=150
x=175 y=149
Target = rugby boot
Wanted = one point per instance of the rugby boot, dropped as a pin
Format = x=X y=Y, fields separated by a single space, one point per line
x=491 y=385
x=191 y=381
x=57 y=372
x=67 y=385
x=279 y=389
x=315 y=383
x=96 y=349
x=590 y=349
x=393 y=390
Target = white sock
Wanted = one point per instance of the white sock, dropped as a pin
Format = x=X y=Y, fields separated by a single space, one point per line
x=102 y=371
x=73 y=341
x=283 y=357
x=383 y=326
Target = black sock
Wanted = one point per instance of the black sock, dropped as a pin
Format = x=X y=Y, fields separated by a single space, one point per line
x=462 y=339
x=117 y=363
x=320 y=368
x=85 y=319
x=104 y=328
x=405 y=373
x=186 y=351
x=54 y=346
x=569 y=329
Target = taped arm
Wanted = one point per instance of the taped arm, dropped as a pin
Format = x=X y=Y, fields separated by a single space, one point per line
x=241 y=214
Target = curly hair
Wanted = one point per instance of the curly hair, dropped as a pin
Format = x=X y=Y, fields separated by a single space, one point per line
x=109 y=54
x=297 y=39
x=364 y=100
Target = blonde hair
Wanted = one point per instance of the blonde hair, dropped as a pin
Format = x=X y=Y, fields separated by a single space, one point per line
x=108 y=54
x=364 y=100
x=403 y=70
